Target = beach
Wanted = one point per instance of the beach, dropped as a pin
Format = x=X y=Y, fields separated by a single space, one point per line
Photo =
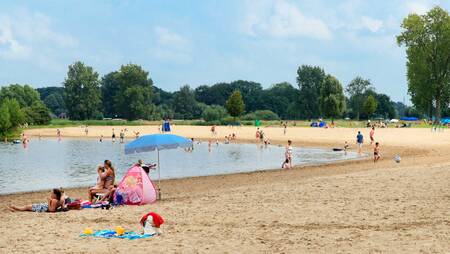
x=346 y=207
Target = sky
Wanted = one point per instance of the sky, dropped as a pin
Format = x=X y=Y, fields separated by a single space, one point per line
x=200 y=42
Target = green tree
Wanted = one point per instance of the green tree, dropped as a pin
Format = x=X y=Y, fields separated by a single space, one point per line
x=184 y=104
x=331 y=99
x=110 y=87
x=5 y=119
x=82 y=92
x=214 y=113
x=427 y=41
x=235 y=104
x=130 y=91
x=356 y=90
x=53 y=98
x=278 y=99
x=17 y=116
x=370 y=105
x=310 y=80
x=25 y=95
x=37 y=114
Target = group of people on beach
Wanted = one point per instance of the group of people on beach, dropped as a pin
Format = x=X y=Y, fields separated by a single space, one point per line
x=376 y=145
x=103 y=190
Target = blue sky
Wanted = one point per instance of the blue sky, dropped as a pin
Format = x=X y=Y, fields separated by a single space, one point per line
x=205 y=42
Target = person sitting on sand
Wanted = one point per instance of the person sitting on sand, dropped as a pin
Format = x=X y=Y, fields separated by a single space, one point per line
x=55 y=201
x=376 y=152
x=107 y=176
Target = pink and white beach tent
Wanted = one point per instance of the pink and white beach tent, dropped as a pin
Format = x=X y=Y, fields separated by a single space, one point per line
x=136 y=188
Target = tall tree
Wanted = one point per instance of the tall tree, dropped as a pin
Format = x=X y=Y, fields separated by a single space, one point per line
x=184 y=103
x=356 y=90
x=370 y=105
x=109 y=88
x=235 y=104
x=82 y=92
x=131 y=92
x=53 y=98
x=331 y=99
x=427 y=41
x=310 y=80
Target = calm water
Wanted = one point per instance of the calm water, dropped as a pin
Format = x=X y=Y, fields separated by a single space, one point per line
x=49 y=163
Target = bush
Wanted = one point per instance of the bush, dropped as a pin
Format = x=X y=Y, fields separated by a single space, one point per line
x=214 y=113
x=37 y=114
x=261 y=115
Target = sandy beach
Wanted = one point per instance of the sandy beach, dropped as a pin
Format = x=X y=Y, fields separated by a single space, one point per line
x=347 y=207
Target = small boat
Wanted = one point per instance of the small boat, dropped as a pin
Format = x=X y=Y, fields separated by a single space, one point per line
x=337 y=149
x=17 y=141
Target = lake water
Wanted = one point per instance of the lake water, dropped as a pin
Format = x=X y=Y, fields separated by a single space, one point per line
x=49 y=163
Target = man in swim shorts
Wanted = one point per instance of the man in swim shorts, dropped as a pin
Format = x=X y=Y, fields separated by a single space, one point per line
x=359 y=141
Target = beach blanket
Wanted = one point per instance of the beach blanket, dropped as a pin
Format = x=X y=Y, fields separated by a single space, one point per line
x=112 y=234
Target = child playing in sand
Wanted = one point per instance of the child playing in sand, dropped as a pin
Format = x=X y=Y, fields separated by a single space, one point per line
x=376 y=152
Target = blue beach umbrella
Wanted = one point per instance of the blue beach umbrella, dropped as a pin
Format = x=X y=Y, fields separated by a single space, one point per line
x=157 y=142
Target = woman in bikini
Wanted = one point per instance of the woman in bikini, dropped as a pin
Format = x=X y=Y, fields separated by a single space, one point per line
x=55 y=201
x=106 y=176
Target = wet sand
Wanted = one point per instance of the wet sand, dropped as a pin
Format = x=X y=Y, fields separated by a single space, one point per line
x=349 y=207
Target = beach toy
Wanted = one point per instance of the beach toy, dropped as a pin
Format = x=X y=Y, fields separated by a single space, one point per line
x=120 y=230
x=88 y=231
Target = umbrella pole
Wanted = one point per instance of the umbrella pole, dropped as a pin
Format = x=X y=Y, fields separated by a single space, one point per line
x=159 y=178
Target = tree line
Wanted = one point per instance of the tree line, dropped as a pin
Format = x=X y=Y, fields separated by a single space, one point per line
x=129 y=93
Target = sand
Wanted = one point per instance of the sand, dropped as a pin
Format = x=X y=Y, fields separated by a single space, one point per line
x=348 y=207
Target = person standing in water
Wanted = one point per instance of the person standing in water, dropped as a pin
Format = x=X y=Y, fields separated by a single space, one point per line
x=288 y=156
x=101 y=138
x=376 y=152
x=371 y=134
x=359 y=141
x=113 y=136
x=58 y=134
x=122 y=136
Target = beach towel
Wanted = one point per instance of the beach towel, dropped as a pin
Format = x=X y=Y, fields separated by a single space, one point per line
x=112 y=234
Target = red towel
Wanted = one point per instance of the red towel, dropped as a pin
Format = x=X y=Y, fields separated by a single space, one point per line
x=157 y=219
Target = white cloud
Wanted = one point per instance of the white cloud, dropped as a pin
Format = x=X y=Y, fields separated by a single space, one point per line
x=420 y=7
x=373 y=25
x=25 y=35
x=281 y=19
x=171 y=46
x=10 y=48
